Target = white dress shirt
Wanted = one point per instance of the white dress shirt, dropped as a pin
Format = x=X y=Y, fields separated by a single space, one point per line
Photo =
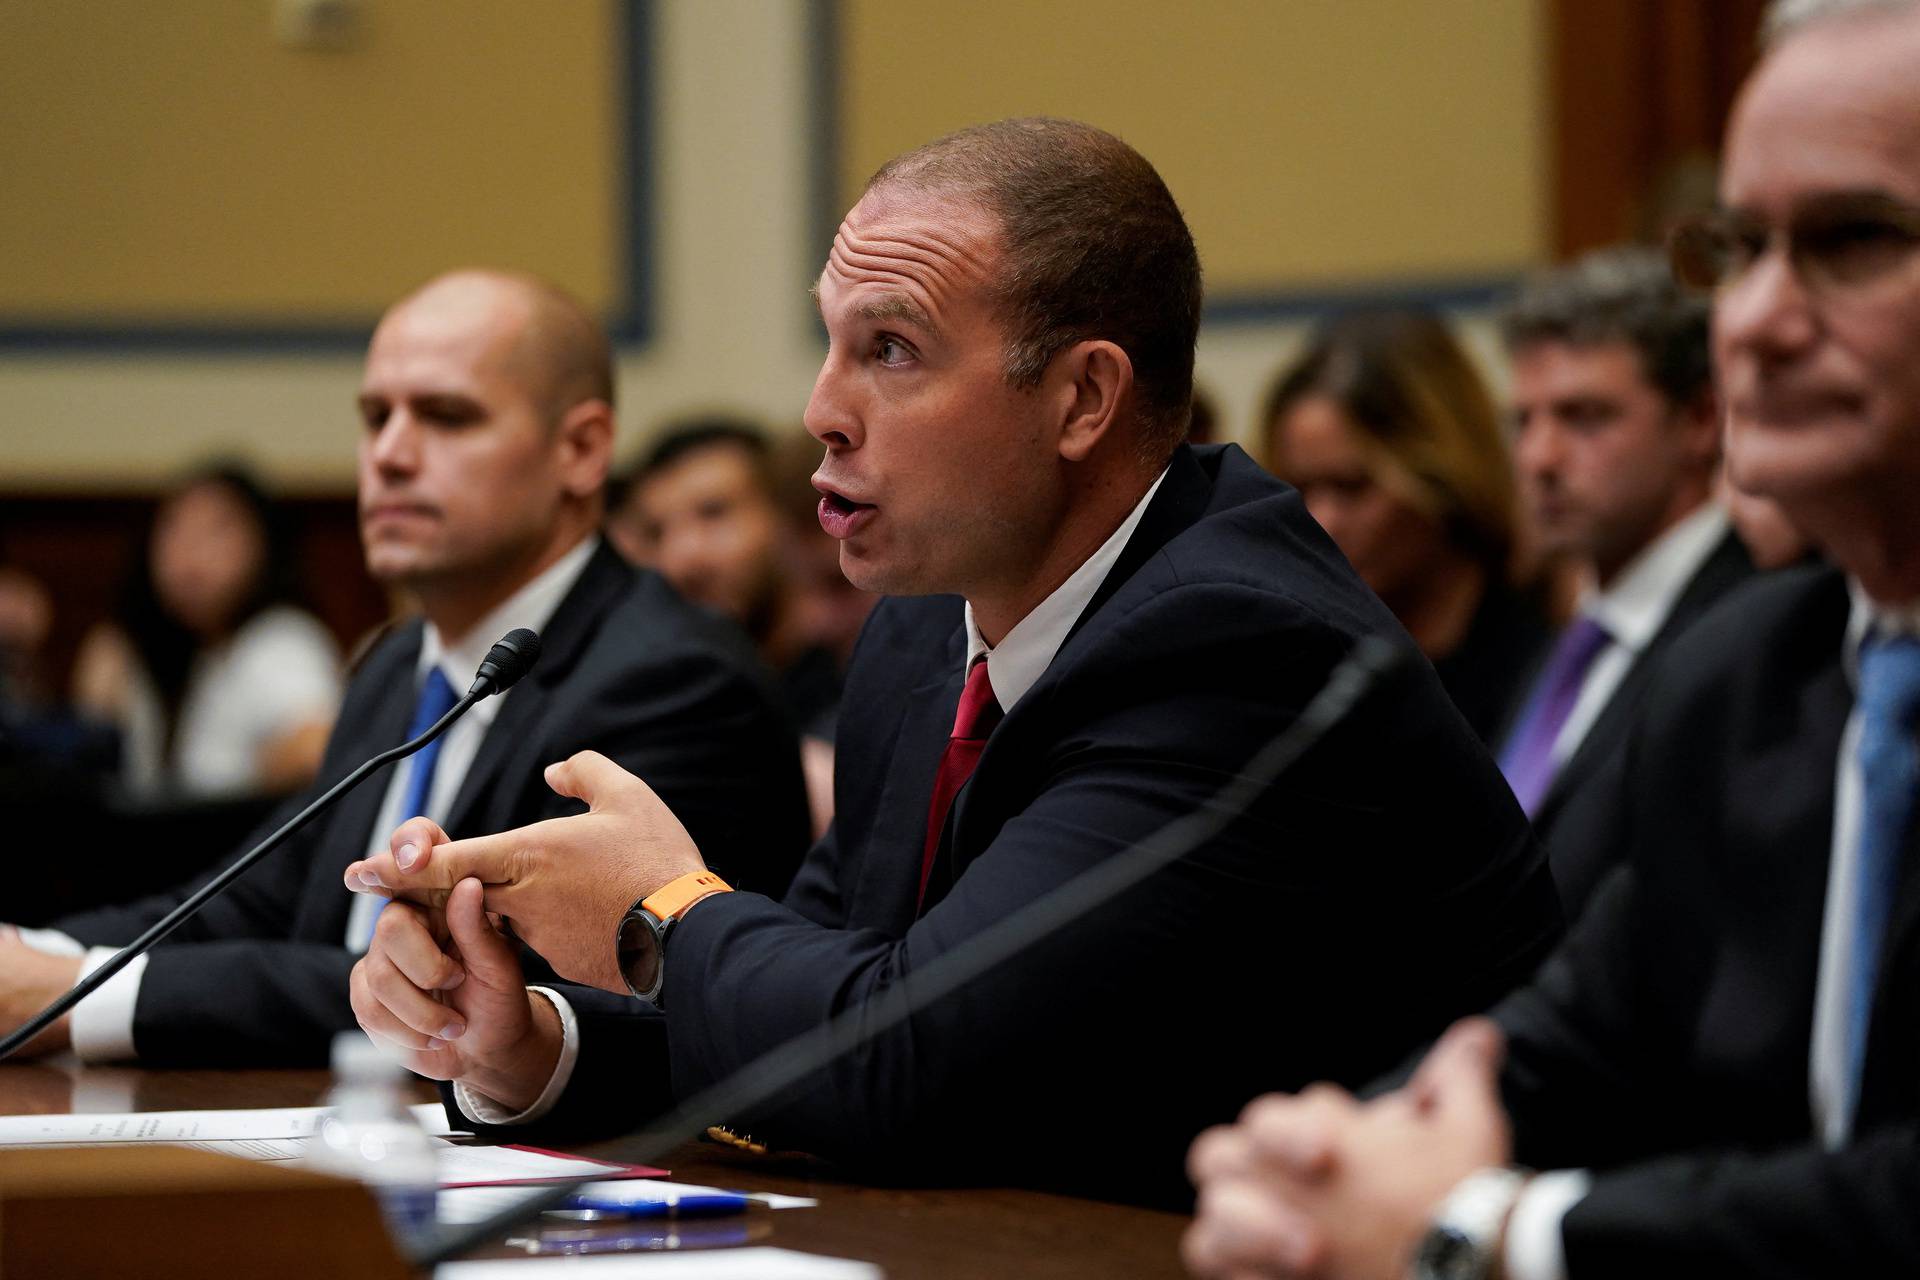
x=102 y=1024
x=1535 y=1250
x=1633 y=608
x=1012 y=667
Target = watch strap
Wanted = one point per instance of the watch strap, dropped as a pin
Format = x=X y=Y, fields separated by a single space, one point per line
x=675 y=896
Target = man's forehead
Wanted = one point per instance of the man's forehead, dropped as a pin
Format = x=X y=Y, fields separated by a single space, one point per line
x=1554 y=368
x=925 y=245
x=442 y=345
x=1836 y=107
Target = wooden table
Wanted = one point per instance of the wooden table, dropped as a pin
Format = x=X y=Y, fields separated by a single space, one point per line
x=910 y=1233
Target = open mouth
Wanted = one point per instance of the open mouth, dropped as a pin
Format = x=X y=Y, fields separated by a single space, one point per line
x=840 y=515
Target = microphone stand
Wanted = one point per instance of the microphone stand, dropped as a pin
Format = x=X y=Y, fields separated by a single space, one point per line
x=777 y=1070
x=213 y=888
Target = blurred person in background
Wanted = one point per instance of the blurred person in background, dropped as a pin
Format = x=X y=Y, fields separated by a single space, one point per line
x=730 y=520
x=700 y=508
x=832 y=610
x=1393 y=440
x=1617 y=446
x=42 y=741
x=218 y=682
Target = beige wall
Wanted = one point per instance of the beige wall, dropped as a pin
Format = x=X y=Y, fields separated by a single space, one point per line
x=736 y=251
x=1308 y=141
x=178 y=162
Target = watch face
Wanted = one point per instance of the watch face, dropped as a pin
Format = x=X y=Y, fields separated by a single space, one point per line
x=1446 y=1254
x=640 y=955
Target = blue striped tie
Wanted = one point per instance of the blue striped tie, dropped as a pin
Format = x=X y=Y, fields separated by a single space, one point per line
x=1889 y=774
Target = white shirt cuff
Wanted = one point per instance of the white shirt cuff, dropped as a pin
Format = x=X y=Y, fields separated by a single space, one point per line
x=102 y=1026
x=50 y=941
x=1535 y=1249
x=479 y=1107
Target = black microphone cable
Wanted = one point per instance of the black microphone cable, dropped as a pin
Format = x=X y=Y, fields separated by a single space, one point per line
x=512 y=657
x=766 y=1077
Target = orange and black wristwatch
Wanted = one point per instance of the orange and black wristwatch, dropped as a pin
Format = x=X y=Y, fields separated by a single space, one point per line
x=641 y=942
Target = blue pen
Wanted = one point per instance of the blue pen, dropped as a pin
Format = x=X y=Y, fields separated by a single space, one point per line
x=644 y=1202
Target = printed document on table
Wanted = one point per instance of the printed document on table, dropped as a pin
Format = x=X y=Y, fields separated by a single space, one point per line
x=263 y=1125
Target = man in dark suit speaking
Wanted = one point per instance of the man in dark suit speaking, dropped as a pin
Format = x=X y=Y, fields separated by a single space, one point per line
x=488 y=426
x=1105 y=624
x=1721 y=1066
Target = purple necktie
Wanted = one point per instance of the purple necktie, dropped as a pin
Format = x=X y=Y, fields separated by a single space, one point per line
x=1527 y=759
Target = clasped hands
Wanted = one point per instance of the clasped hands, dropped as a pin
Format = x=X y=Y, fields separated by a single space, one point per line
x=1322 y=1185
x=442 y=981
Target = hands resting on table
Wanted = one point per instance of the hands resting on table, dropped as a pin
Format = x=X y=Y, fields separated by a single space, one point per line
x=1322 y=1185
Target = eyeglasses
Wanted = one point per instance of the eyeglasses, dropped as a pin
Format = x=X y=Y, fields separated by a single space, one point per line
x=1834 y=242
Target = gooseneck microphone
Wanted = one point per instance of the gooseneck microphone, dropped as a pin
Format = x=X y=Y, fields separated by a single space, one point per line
x=509 y=659
x=767 y=1077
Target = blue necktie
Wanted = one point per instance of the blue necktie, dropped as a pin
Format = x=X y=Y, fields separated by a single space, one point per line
x=436 y=699
x=1889 y=774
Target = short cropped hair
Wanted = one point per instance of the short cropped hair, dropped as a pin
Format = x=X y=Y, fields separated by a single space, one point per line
x=1095 y=248
x=1625 y=295
x=1403 y=381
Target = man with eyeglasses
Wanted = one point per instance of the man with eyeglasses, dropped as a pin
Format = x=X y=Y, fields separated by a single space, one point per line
x=1721 y=1065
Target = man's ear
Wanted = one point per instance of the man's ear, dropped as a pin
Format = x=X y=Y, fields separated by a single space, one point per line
x=1095 y=379
x=584 y=441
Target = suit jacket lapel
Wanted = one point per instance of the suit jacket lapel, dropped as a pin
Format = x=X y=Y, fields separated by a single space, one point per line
x=561 y=644
x=347 y=831
x=888 y=885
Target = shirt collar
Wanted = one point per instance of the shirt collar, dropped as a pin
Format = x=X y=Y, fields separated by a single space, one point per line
x=1636 y=605
x=1870 y=617
x=1017 y=662
x=532 y=606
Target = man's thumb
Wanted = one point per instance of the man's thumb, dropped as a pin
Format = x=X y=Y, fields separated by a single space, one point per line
x=585 y=775
x=487 y=956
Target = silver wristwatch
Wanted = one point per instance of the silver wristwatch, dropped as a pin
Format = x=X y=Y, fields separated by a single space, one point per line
x=1463 y=1241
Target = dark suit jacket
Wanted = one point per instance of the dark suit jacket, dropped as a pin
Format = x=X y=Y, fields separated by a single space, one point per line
x=260 y=976
x=1379 y=889
x=1574 y=821
x=1667 y=1042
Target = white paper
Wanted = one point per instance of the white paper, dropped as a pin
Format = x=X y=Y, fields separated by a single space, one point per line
x=706 y=1264
x=183 y=1126
x=471 y=1204
x=460 y=1165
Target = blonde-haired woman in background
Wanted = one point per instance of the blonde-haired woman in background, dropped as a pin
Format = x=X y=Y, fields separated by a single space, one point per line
x=1393 y=440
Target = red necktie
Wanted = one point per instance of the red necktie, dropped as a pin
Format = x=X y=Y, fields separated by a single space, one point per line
x=972 y=722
